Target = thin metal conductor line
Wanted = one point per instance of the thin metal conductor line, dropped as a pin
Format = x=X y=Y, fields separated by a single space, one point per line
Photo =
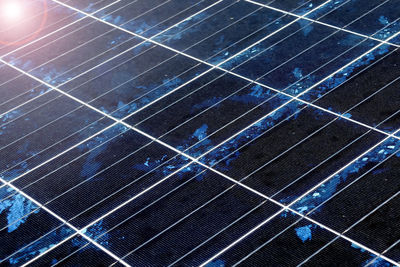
x=203 y=243
x=63 y=152
x=113 y=29
x=66 y=223
x=158 y=111
x=81 y=74
x=172 y=225
x=54 y=247
x=184 y=54
x=193 y=159
x=329 y=25
x=42 y=127
x=284 y=207
x=21 y=75
x=310 y=47
x=192 y=15
x=293 y=98
x=191 y=213
x=143 y=208
x=155 y=168
x=85 y=210
x=350 y=183
x=25 y=19
x=131 y=199
x=251 y=124
x=303 y=216
x=367 y=151
x=198 y=76
x=152 y=203
x=88 y=41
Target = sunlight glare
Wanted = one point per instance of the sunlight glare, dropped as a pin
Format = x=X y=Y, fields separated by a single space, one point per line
x=12 y=10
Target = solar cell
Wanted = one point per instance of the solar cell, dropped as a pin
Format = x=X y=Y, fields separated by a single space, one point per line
x=199 y=133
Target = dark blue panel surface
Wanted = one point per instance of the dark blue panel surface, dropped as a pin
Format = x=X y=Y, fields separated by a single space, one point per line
x=199 y=133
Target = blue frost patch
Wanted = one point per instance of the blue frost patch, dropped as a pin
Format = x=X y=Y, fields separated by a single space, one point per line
x=10 y=115
x=256 y=96
x=150 y=164
x=257 y=91
x=297 y=73
x=383 y=20
x=99 y=144
x=388 y=31
x=304 y=233
x=98 y=232
x=16 y=207
x=216 y=263
x=306 y=27
x=201 y=132
x=244 y=56
x=346 y=115
x=206 y=104
x=176 y=32
x=92 y=165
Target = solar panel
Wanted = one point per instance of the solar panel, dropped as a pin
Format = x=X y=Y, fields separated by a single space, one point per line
x=199 y=133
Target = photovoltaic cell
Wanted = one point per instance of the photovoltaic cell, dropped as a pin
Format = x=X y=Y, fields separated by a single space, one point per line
x=200 y=133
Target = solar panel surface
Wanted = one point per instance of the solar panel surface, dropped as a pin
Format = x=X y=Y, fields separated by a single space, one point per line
x=200 y=133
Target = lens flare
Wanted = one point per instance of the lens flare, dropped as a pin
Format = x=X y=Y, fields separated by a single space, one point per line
x=15 y=14
x=12 y=10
